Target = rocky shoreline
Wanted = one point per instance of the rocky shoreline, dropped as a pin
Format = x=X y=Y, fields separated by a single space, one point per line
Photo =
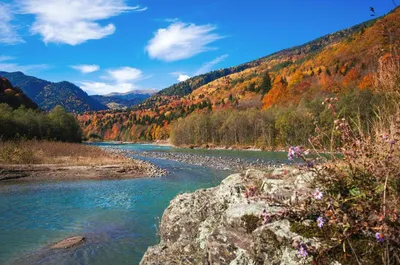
x=216 y=162
x=222 y=225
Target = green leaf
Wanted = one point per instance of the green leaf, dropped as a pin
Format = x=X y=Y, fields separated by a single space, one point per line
x=379 y=188
x=355 y=192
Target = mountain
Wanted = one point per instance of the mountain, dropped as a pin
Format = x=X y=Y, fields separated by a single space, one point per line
x=124 y=100
x=132 y=94
x=14 y=96
x=48 y=95
x=332 y=65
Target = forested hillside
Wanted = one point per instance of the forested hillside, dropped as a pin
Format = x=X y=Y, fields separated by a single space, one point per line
x=268 y=102
x=48 y=95
x=20 y=118
x=14 y=96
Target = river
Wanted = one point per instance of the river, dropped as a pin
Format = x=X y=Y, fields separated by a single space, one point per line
x=119 y=218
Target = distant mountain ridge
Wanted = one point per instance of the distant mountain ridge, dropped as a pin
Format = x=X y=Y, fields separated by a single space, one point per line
x=129 y=94
x=124 y=100
x=48 y=94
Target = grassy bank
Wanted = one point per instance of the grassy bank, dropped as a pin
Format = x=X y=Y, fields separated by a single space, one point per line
x=45 y=152
x=39 y=160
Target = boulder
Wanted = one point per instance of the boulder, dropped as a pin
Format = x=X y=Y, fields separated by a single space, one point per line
x=221 y=226
x=68 y=242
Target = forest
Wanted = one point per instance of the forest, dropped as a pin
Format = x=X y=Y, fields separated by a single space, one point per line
x=276 y=127
x=23 y=123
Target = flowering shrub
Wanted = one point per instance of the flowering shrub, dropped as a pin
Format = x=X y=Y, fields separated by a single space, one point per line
x=356 y=200
x=353 y=211
x=251 y=192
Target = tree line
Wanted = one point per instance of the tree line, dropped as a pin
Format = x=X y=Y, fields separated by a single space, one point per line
x=278 y=126
x=26 y=123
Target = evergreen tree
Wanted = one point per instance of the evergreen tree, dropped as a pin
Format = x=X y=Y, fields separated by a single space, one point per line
x=266 y=84
x=328 y=72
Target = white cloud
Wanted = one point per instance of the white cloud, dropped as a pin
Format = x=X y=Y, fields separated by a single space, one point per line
x=8 y=33
x=121 y=80
x=182 y=78
x=73 y=22
x=125 y=74
x=86 y=68
x=181 y=41
x=141 y=9
x=101 y=88
x=8 y=64
x=4 y=58
x=207 y=67
x=171 y=20
x=30 y=68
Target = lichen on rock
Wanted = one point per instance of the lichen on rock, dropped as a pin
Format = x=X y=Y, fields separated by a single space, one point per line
x=222 y=226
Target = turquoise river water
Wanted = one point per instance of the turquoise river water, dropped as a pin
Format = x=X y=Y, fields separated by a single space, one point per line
x=119 y=218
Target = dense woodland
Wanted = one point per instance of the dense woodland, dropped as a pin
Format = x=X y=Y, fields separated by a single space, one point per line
x=32 y=124
x=20 y=118
x=275 y=127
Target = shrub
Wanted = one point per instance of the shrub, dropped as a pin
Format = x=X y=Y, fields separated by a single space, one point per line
x=251 y=222
x=357 y=194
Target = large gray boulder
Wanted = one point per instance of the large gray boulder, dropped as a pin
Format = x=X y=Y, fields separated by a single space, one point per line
x=221 y=226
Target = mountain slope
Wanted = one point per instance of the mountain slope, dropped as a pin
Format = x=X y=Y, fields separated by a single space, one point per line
x=48 y=95
x=331 y=65
x=14 y=96
x=186 y=87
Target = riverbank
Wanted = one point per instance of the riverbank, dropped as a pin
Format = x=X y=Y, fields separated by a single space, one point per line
x=231 y=147
x=42 y=160
x=215 y=162
x=199 y=147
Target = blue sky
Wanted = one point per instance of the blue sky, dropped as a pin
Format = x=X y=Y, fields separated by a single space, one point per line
x=120 y=45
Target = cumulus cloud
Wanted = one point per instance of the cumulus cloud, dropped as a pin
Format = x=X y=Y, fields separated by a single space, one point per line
x=207 y=67
x=182 y=78
x=8 y=33
x=120 y=80
x=181 y=41
x=125 y=74
x=73 y=22
x=86 y=68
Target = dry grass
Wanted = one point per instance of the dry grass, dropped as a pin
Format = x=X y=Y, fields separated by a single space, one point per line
x=45 y=152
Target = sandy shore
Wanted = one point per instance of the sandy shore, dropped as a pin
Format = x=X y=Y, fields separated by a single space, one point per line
x=136 y=169
x=44 y=160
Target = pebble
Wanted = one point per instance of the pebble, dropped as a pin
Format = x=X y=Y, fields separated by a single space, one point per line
x=222 y=163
